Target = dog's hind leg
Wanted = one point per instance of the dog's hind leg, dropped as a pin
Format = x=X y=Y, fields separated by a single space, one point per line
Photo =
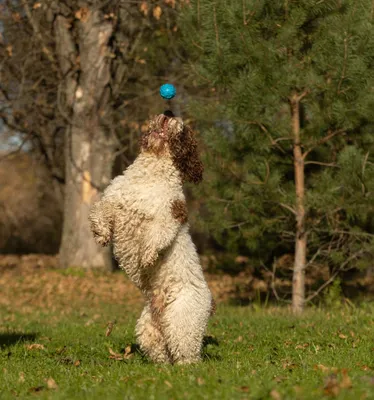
x=184 y=324
x=150 y=338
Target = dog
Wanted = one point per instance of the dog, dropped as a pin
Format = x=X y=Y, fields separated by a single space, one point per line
x=144 y=214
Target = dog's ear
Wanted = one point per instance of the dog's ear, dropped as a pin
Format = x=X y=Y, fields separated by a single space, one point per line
x=185 y=153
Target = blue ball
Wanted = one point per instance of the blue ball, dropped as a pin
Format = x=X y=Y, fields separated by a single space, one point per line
x=167 y=91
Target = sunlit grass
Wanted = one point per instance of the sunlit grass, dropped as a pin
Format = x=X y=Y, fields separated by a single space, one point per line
x=250 y=353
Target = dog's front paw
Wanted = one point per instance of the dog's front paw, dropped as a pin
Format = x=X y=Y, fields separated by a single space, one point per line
x=102 y=240
x=149 y=259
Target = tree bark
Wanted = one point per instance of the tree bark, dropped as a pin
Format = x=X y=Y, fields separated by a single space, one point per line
x=298 y=281
x=89 y=148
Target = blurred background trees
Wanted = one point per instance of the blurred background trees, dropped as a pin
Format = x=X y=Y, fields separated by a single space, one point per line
x=281 y=93
x=78 y=80
x=289 y=128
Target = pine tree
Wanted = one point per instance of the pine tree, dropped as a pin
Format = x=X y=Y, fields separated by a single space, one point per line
x=288 y=128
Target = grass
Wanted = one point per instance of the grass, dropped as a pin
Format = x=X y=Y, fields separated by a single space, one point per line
x=53 y=345
x=251 y=353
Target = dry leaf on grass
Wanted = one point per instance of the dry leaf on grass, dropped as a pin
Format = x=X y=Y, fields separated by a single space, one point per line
x=167 y=383
x=332 y=387
x=302 y=346
x=35 y=346
x=275 y=395
x=346 y=382
x=82 y=14
x=200 y=381
x=115 y=356
x=144 y=8
x=51 y=383
x=322 y=368
x=21 y=378
x=342 y=336
x=128 y=352
x=157 y=11
x=110 y=327
x=118 y=356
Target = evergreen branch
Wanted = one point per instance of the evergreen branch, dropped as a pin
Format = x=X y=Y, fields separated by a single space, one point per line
x=289 y=208
x=364 y=234
x=321 y=163
x=273 y=141
x=216 y=28
x=323 y=141
x=272 y=284
x=238 y=225
x=344 y=64
x=365 y=161
x=334 y=275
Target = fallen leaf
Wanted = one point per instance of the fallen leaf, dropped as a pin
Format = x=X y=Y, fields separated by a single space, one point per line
x=302 y=346
x=82 y=14
x=244 y=389
x=35 y=346
x=51 y=383
x=167 y=383
x=332 y=387
x=322 y=367
x=239 y=339
x=128 y=352
x=200 y=381
x=144 y=8
x=36 y=6
x=21 y=378
x=9 y=50
x=110 y=327
x=346 y=382
x=77 y=363
x=115 y=356
x=157 y=11
x=342 y=336
x=274 y=394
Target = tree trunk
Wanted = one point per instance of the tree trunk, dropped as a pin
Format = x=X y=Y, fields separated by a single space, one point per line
x=84 y=62
x=298 y=281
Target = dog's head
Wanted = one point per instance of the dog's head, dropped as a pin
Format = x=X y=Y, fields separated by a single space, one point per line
x=168 y=135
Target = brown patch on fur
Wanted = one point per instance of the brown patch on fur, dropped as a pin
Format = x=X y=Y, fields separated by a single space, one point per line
x=179 y=211
x=157 y=304
x=153 y=144
x=185 y=155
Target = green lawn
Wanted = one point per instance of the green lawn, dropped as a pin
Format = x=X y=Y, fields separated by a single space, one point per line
x=250 y=353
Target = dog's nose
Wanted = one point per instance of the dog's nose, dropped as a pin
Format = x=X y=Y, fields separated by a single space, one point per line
x=169 y=114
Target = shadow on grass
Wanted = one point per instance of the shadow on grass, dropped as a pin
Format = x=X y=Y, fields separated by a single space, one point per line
x=9 y=339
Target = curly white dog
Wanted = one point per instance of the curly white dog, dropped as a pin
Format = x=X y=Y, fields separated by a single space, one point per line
x=143 y=212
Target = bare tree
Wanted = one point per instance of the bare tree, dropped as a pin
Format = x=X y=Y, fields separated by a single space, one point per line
x=71 y=73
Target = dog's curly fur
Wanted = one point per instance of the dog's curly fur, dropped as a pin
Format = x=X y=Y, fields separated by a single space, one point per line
x=143 y=212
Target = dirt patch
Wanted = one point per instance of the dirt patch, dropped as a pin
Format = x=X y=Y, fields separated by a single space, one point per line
x=34 y=282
